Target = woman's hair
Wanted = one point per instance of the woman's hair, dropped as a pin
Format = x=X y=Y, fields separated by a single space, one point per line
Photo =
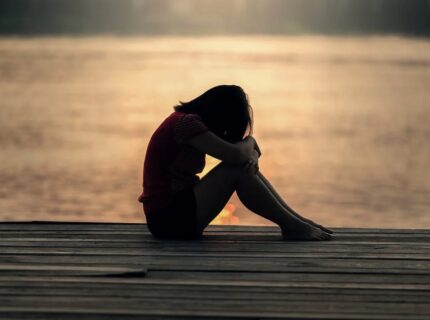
x=224 y=109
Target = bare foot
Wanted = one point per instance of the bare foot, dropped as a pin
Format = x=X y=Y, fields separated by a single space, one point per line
x=305 y=232
x=318 y=225
x=322 y=228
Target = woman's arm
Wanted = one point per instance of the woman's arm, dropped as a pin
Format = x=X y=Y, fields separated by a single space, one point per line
x=236 y=153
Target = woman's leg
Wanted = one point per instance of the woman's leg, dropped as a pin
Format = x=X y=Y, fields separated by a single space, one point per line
x=215 y=189
x=286 y=206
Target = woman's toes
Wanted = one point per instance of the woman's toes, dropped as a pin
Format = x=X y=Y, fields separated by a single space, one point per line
x=327 y=236
x=327 y=230
x=324 y=229
x=306 y=232
x=323 y=235
x=319 y=226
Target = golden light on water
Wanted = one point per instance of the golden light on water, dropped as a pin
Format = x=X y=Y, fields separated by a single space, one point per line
x=227 y=216
x=342 y=122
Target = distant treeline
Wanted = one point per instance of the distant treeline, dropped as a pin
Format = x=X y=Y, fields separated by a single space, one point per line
x=38 y=17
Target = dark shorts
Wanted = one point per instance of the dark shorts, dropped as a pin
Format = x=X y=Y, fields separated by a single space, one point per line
x=178 y=220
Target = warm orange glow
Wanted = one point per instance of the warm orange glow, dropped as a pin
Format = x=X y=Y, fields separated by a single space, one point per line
x=342 y=122
x=227 y=215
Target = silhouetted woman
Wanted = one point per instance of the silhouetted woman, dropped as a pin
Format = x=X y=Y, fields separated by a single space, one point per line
x=179 y=205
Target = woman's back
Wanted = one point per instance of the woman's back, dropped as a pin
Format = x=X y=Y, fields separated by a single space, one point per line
x=170 y=165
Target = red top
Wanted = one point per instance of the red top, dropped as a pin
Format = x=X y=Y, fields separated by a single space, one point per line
x=170 y=165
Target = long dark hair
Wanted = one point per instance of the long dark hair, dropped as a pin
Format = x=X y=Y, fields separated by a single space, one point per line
x=224 y=109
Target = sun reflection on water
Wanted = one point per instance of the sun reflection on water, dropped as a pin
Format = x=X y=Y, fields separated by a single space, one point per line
x=227 y=216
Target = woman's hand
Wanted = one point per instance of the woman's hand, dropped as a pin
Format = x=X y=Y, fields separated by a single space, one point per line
x=256 y=146
x=211 y=144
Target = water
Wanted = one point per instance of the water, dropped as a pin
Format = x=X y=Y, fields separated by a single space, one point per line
x=343 y=123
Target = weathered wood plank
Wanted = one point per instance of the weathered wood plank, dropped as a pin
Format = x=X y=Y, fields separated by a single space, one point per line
x=367 y=280
x=211 y=232
x=148 y=240
x=145 y=286
x=20 y=269
x=308 y=280
x=76 y=314
x=88 y=226
x=220 y=293
x=218 y=237
x=99 y=316
x=222 y=241
x=208 y=307
x=73 y=315
x=201 y=246
x=100 y=271
x=202 y=253
x=232 y=264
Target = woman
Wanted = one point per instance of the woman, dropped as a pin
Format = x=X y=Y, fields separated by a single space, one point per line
x=179 y=205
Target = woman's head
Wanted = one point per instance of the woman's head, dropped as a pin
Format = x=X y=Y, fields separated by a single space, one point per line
x=224 y=109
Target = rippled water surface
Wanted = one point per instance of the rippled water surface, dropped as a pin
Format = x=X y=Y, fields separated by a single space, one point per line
x=343 y=123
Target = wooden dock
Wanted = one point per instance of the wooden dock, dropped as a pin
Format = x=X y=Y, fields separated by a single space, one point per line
x=118 y=271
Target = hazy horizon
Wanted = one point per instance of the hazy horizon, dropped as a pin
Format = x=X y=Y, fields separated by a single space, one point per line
x=221 y=17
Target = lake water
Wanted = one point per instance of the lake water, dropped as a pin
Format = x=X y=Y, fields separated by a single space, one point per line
x=343 y=122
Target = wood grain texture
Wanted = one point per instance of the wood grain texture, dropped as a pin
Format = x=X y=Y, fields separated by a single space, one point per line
x=119 y=271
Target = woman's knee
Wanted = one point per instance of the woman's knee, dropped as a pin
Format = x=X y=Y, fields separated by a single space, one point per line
x=224 y=174
x=233 y=171
x=230 y=167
